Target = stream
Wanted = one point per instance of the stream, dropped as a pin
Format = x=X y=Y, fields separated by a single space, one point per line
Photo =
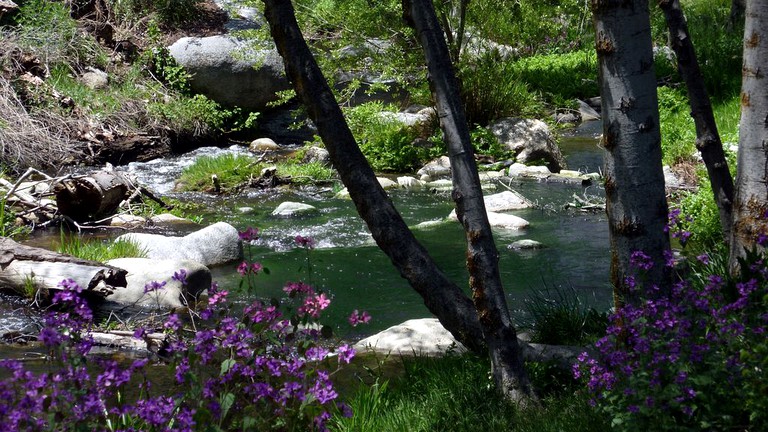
x=348 y=265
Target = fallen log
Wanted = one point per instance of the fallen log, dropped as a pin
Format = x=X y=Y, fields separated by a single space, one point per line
x=93 y=196
x=24 y=267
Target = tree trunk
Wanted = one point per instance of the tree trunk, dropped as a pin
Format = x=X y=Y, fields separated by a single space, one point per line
x=441 y=296
x=634 y=182
x=482 y=256
x=707 y=137
x=751 y=201
x=24 y=267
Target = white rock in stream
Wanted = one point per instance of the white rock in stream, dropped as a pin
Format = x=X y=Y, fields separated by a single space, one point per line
x=410 y=183
x=213 y=245
x=289 y=208
x=525 y=244
x=507 y=200
x=386 y=183
x=143 y=271
x=414 y=337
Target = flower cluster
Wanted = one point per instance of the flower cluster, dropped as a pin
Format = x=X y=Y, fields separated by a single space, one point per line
x=265 y=368
x=680 y=361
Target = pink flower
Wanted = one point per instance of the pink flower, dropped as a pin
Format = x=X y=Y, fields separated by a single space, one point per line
x=313 y=305
x=243 y=268
x=306 y=242
x=249 y=234
x=358 y=318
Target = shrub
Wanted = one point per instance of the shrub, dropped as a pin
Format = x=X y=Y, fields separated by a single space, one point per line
x=690 y=360
x=385 y=142
x=561 y=77
x=263 y=368
x=491 y=89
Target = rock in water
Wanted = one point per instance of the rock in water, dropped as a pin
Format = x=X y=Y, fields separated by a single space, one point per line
x=173 y=294
x=211 y=246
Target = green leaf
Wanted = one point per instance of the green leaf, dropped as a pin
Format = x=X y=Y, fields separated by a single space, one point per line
x=226 y=400
x=226 y=365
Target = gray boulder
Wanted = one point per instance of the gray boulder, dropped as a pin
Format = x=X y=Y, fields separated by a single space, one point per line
x=525 y=244
x=214 y=245
x=230 y=72
x=530 y=140
x=414 y=337
x=507 y=200
x=144 y=271
x=587 y=112
x=440 y=167
x=94 y=79
x=316 y=154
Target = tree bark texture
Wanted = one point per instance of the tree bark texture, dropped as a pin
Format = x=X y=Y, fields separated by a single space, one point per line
x=441 y=296
x=482 y=255
x=20 y=265
x=634 y=181
x=90 y=197
x=707 y=137
x=751 y=200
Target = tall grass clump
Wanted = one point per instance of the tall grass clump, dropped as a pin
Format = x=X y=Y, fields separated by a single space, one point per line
x=491 y=89
x=456 y=393
x=97 y=250
x=557 y=316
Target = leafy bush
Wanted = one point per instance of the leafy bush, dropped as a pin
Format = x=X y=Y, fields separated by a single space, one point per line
x=691 y=360
x=262 y=368
x=385 y=142
x=169 y=12
x=561 y=77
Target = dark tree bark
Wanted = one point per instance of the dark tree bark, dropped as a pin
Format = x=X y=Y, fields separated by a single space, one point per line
x=707 y=137
x=751 y=202
x=441 y=296
x=634 y=182
x=482 y=256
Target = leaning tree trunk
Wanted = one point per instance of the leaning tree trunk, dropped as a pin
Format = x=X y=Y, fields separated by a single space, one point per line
x=441 y=296
x=634 y=182
x=750 y=209
x=707 y=137
x=482 y=256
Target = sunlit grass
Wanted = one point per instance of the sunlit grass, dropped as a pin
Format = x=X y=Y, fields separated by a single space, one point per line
x=100 y=251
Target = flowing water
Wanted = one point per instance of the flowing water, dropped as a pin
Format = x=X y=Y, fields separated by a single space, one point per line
x=347 y=264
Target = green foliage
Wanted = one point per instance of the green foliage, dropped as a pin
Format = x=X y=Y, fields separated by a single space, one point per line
x=557 y=316
x=491 y=89
x=485 y=142
x=234 y=170
x=168 y=12
x=456 y=393
x=561 y=77
x=196 y=115
x=8 y=227
x=46 y=28
x=705 y=229
x=385 y=142
x=678 y=134
x=100 y=251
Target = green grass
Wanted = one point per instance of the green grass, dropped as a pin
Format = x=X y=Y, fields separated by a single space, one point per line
x=96 y=250
x=233 y=170
x=455 y=393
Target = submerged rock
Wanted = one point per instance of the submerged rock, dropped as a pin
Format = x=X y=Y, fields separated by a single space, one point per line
x=214 y=245
x=525 y=244
x=173 y=294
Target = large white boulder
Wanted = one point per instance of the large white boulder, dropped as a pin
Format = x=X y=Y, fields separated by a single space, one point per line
x=214 y=245
x=229 y=71
x=424 y=336
x=530 y=140
x=173 y=294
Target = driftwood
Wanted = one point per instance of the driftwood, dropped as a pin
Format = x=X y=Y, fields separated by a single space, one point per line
x=86 y=198
x=22 y=265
